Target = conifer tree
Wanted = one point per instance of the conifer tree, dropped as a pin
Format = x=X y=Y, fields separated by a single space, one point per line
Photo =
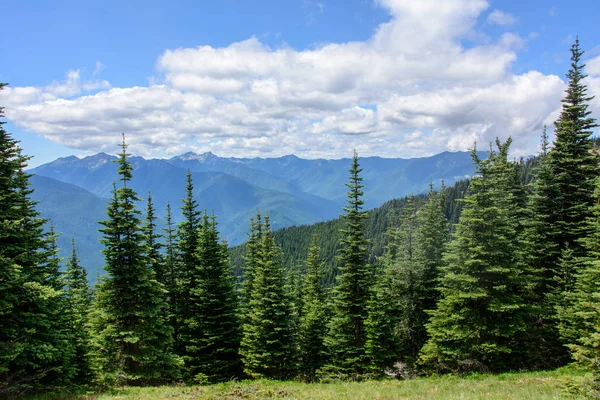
x=210 y=335
x=152 y=241
x=294 y=288
x=580 y=318
x=347 y=336
x=432 y=236
x=188 y=232
x=406 y=289
x=573 y=168
x=541 y=253
x=132 y=343
x=312 y=350
x=250 y=259
x=78 y=298
x=267 y=346
x=480 y=319
x=169 y=278
x=32 y=349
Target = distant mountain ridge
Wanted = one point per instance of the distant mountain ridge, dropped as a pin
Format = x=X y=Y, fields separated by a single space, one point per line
x=295 y=191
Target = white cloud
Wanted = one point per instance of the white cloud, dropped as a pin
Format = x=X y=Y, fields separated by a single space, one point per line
x=499 y=17
x=412 y=89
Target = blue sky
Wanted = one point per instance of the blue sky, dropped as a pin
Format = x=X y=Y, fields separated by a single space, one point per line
x=395 y=78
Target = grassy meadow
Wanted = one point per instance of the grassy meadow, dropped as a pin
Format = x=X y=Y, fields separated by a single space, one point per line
x=564 y=383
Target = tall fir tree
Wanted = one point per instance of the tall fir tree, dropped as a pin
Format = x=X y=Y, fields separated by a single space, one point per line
x=574 y=167
x=481 y=319
x=541 y=252
x=313 y=327
x=188 y=233
x=580 y=317
x=250 y=260
x=267 y=344
x=171 y=272
x=432 y=236
x=32 y=346
x=347 y=336
x=132 y=343
x=78 y=298
x=406 y=289
x=210 y=335
x=152 y=241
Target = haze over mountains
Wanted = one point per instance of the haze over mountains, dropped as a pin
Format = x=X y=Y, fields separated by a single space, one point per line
x=295 y=191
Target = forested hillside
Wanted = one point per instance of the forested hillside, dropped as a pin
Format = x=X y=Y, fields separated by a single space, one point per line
x=295 y=240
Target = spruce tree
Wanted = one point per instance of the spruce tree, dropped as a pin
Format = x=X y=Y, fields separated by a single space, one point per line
x=78 y=298
x=170 y=276
x=32 y=346
x=250 y=259
x=542 y=253
x=432 y=236
x=347 y=336
x=188 y=233
x=580 y=318
x=267 y=346
x=312 y=350
x=574 y=167
x=406 y=289
x=210 y=335
x=480 y=319
x=152 y=242
x=132 y=343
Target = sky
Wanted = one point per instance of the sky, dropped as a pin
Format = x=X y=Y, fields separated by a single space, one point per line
x=315 y=78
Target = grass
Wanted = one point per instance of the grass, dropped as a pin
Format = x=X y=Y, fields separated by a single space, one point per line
x=558 y=384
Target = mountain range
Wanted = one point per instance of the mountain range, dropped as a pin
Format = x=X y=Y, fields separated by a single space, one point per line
x=73 y=191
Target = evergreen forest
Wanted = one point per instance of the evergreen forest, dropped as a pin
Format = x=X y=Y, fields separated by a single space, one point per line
x=497 y=273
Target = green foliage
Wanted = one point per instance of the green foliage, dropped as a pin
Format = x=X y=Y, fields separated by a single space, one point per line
x=347 y=336
x=34 y=350
x=267 y=346
x=132 y=339
x=313 y=327
x=573 y=165
x=152 y=242
x=188 y=233
x=580 y=318
x=480 y=319
x=78 y=297
x=210 y=334
x=406 y=289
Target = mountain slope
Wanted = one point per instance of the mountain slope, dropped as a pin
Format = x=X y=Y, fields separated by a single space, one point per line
x=75 y=212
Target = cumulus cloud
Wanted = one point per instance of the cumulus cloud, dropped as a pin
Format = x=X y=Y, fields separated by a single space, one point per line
x=412 y=89
x=499 y=17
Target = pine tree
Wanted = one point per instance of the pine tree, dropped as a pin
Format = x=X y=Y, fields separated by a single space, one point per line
x=267 y=347
x=78 y=298
x=152 y=242
x=32 y=349
x=347 y=336
x=210 y=335
x=312 y=350
x=480 y=319
x=132 y=343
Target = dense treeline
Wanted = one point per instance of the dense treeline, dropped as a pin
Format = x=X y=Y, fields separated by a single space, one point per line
x=496 y=273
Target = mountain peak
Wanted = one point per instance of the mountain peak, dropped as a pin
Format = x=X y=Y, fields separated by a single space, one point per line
x=190 y=155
